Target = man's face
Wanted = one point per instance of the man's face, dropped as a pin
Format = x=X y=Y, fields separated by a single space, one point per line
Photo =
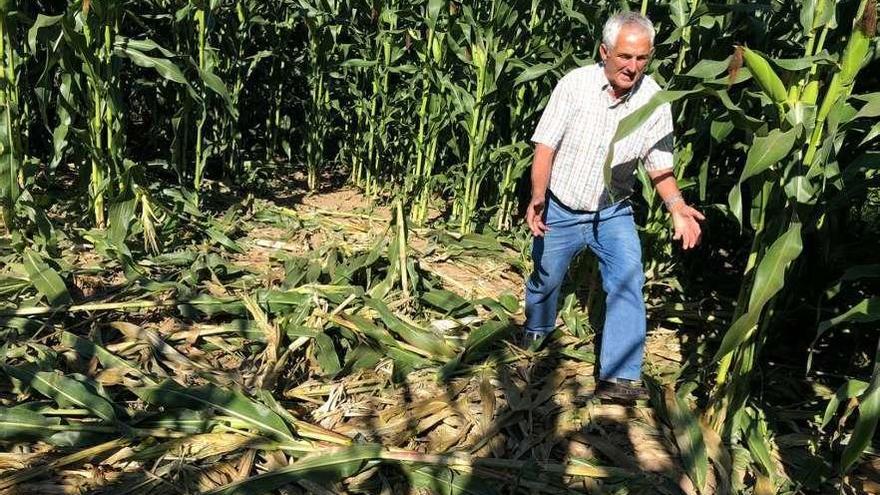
x=626 y=61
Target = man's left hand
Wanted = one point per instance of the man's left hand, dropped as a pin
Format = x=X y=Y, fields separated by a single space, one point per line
x=686 y=222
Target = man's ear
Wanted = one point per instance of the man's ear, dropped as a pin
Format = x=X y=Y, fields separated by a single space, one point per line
x=603 y=51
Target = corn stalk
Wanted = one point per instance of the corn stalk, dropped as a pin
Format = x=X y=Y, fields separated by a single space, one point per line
x=10 y=140
x=200 y=16
x=487 y=58
x=322 y=33
x=95 y=52
x=430 y=114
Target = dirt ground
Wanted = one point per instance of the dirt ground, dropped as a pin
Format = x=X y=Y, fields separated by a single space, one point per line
x=346 y=217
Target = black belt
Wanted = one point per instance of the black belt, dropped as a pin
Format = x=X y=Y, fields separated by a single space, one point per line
x=574 y=210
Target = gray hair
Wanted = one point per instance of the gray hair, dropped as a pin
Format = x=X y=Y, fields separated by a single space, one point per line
x=617 y=21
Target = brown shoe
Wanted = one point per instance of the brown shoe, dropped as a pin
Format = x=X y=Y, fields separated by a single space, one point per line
x=621 y=392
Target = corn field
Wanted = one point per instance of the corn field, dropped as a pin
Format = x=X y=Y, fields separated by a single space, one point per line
x=277 y=247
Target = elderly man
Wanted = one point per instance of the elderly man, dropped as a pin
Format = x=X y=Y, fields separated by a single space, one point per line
x=571 y=207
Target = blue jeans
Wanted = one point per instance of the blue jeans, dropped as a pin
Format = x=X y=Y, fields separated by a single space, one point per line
x=611 y=234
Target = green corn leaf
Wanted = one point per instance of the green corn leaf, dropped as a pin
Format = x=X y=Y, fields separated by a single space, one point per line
x=734 y=200
x=768 y=150
x=866 y=311
x=365 y=326
x=445 y=300
x=478 y=341
x=572 y=14
x=220 y=238
x=708 y=69
x=632 y=122
x=871 y=108
x=433 y=12
x=759 y=444
x=339 y=464
x=872 y=134
x=866 y=425
x=444 y=481
x=164 y=67
x=425 y=340
x=144 y=45
x=358 y=63
x=769 y=280
x=179 y=420
x=232 y=403
x=64 y=390
x=579 y=355
x=848 y=390
x=484 y=336
x=215 y=84
x=361 y=357
x=532 y=72
x=404 y=363
x=88 y=349
x=808 y=13
x=688 y=437
x=481 y=242
x=121 y=214
x=21 y=325
x=679 y=13
x=325 y=353
x=501 y=309
x=858 y=47
x=42 y=21
x=855 y=272
x=816 y=14
x=17 y=423
x=509 y=302
x=45 y=279
x=804 y=63
x=211 y=305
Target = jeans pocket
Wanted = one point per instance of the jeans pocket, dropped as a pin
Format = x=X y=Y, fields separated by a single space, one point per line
x=552 y=212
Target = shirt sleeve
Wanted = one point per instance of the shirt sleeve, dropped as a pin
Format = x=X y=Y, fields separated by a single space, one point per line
x=554 y=119
x=657 y=154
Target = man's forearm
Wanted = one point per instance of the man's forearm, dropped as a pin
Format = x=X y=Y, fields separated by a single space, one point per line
x=667 y=187
x=541 y=165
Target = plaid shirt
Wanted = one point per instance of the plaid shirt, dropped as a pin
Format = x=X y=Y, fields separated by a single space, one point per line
x=579 y=122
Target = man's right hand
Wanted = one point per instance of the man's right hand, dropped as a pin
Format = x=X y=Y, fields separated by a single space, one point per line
x=534 y=217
